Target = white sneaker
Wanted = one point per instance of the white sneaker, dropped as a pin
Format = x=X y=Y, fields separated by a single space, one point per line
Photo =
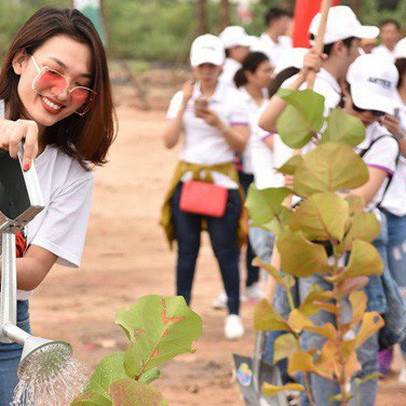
x=254 y=292
x=220 y=302
x=233 y=328
x=402 y=375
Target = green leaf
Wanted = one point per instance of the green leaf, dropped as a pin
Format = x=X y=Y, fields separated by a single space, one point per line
x=300 y=257
x=339 y=398
x=150 y=376
x=267 y=318
x=371 y=323
x=343 y=128
x=302 y=119
x=364 y=261
x=323 y=216
x=291 y=165
x=309 y=306
x=365 y=226
x=265 y=205
x=272 y=390
x=161 y=328
x=285 y=345
x=271 y=270
x=91 y=398
x=128 y=392
x=109 y=370
x=329 y=168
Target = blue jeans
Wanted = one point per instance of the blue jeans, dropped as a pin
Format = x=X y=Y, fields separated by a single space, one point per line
x=252 y=271
x=396 y=253
x=10 y=355
x=223 y=237
x=323 y=389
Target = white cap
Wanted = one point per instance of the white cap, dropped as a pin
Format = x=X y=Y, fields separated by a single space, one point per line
x=292 y=58
x=342 y=23
x=235 y=36
x=400 y=49
x=373 y=80
x=207 y=49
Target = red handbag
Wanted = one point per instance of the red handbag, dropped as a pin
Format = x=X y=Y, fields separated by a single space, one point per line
x=203 y=198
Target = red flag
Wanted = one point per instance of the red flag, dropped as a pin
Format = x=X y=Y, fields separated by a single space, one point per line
x=305 y=10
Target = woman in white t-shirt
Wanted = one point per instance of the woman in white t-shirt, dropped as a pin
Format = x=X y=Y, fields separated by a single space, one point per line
x=393 y=207
x=252 y=79
x=54 y=95
x=214 y=123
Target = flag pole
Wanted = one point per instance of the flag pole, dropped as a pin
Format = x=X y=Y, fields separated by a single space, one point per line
x=319 y=41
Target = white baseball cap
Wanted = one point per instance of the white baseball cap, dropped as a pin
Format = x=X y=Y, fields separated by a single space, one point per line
x=342 y=23
x=235 y=36
x=373 y=80
x=207 y=49
x=400 y=49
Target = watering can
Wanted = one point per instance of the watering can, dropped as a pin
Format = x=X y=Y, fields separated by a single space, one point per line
x=253 y=372
x=20 y=201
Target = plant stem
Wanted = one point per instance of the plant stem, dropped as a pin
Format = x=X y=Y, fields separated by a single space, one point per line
x=308 y=389
x=289 y=291
x=342 y=379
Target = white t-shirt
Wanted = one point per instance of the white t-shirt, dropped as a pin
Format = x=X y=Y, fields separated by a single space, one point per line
x=326 y=85
x=273 y=50
x=265 y=160
x=381 y=154
x=252 y=110
x=385 y=52
x=67 y=191
x=205 y=144
x=395 y=197
x=230 y=68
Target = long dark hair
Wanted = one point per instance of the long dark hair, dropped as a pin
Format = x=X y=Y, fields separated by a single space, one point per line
x=400 y=64
x=250 y=64
x=86 y=138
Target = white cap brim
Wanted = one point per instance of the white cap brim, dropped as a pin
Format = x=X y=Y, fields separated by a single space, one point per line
x=371 y=101
x=366 y=32
x=201 y=59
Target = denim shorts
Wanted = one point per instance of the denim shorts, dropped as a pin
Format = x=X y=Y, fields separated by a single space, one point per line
x=10 y=355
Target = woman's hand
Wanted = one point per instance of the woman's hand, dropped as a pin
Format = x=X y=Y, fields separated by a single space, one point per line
x=392 y=124
x=211 y=118
x=187 y=91
x=289 y=179
x=13 y=133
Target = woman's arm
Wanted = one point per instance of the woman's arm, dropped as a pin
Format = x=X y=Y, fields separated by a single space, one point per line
x=235 y=135
x=371 y=188
x=174 y=126
x=33 y=267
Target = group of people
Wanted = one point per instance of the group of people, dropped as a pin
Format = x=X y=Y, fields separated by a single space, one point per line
x=226 y=119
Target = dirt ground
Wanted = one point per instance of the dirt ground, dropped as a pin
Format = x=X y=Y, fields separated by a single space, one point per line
x=127 y=257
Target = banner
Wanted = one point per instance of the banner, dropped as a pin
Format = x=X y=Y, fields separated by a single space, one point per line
x=305 y=10
x=92 y=10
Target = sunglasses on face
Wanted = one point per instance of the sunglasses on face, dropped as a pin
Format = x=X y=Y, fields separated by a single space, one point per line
x=375 y=113
x=50 y=82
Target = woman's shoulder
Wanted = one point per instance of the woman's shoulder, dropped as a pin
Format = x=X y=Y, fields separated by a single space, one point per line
x=69 y=166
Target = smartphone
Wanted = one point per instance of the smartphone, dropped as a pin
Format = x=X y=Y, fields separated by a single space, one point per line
x=201 y=104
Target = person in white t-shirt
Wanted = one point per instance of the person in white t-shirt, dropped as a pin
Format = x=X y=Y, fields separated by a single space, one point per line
x=393 y=207
x=237 y=45
x=211 y=119
x=390 y=35
x=55 y=95
x=342 y=39
x=274 y=42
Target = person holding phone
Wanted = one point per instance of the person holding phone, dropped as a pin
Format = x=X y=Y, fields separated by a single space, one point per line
x=212 y=119
x=55 y=96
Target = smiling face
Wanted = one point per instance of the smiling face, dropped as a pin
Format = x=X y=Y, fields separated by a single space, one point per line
x=60 y=53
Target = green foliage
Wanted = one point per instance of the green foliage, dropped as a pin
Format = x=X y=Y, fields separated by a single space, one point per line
x=158 y=328
x=324 y=215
